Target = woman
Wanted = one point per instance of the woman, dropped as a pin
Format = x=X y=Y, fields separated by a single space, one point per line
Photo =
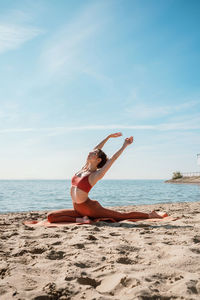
x=96 y=167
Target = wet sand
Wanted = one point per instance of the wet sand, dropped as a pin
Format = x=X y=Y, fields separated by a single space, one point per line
x=102 y=261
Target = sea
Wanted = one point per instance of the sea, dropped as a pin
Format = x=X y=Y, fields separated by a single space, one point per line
x=35 y=195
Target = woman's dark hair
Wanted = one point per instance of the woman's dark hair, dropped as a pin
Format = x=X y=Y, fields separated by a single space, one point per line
x=103 y=157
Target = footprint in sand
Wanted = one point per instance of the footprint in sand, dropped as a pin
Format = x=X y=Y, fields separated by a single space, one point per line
x=111 y=282
x=13 y=234
x=29 y=228
x=21 y=252
x=30 y=284
x=44 y=235
x=54 y=236
x=159 y=278
x=4 y=237
x=55 y=255
x=81 y=265
x=95 y=229
x=192 y=287
x=53 y=292
x=4 y=271
x=114 y=234
x=37 y=250
x=168 y=242
x=57 y=243
x=195 y=250
x=91 y=237
x=79 y=246
x=125 y=249
x=196 y=239
x=125 y=260
x=88 y=281
x=69 y=278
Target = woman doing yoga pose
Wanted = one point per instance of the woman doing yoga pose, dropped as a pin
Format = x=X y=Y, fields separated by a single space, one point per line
x=96 y=167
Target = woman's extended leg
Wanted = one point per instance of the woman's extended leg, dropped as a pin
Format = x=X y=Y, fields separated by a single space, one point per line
x=93 y=209
x=63 y=215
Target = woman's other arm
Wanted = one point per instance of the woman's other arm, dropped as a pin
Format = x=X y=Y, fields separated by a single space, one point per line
x=100 y=145
x=101 y=172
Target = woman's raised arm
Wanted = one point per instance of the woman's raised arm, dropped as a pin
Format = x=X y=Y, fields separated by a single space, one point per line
x=100 y=145
x=101 y=172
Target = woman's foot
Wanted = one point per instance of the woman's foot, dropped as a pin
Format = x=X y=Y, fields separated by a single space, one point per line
x=154 y=215
x=84 y=220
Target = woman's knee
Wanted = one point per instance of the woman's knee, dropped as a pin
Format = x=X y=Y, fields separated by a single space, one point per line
x=50 y=217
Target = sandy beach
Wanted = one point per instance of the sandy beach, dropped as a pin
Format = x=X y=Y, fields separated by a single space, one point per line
x=154 y=260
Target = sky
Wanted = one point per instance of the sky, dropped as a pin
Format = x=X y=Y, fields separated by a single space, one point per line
x=73 y=72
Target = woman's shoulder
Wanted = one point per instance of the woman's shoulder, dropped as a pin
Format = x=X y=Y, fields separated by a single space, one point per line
x=92 y=178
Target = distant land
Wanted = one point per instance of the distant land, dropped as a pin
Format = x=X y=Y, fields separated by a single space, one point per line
x=184 y=179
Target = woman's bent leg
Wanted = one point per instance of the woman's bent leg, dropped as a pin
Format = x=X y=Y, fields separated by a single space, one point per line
x=123 y=216
x=93 y=209
x=63 y=215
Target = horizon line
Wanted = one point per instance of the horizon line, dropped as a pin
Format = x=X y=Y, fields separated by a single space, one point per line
x=70 y=179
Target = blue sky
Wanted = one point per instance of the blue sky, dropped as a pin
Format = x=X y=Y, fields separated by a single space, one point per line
x=73 y=72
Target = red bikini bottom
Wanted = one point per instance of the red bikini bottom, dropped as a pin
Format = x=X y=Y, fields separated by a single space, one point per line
x=93 y=210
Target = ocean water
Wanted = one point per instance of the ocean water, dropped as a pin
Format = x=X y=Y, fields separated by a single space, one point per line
x=32 y=195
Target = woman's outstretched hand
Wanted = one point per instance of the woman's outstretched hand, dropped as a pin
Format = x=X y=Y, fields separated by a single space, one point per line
x=128 y=141
x=113 y=135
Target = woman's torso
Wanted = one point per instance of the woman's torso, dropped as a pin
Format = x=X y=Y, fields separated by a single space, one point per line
x=77 y=194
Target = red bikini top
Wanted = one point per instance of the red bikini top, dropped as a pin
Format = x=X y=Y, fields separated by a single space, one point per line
x=82 y=183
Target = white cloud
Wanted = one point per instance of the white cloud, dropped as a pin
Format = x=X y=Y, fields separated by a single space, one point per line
x=62 y=130
x=14 y=130
x=9 y=111
x=13 y=36
x=67 y=52
x=189 y=125
x=51 y=131
x=143 y=111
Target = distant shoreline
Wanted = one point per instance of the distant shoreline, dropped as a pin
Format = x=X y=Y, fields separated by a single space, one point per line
x=187 y=180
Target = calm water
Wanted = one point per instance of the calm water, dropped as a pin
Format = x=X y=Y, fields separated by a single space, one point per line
x=26 y=195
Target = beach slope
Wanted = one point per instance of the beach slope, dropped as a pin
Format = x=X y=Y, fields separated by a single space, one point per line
x=142 y=260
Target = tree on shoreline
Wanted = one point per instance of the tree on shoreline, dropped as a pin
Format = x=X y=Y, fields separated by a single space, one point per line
x=177 y=175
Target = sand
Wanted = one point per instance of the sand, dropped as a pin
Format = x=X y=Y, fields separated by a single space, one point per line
x=104 y=260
